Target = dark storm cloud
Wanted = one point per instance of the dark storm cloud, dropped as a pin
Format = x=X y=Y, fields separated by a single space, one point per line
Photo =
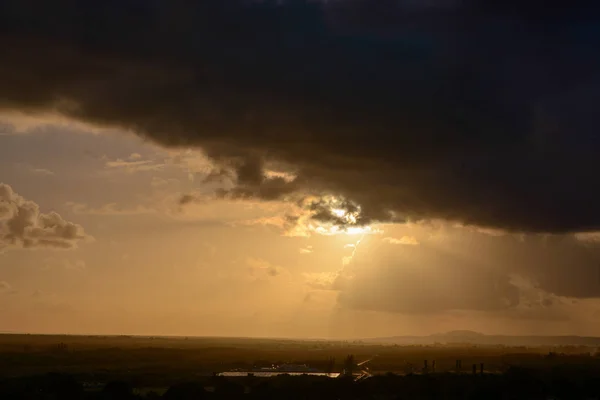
x=251 y=182
x=484 y=112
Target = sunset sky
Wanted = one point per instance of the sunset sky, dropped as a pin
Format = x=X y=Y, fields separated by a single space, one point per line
x=337 y=169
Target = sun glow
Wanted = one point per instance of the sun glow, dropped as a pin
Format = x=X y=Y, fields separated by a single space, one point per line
x=330 y=215
x=346 y=216
x=338 y=212
x=348 y=224
x=353 y=230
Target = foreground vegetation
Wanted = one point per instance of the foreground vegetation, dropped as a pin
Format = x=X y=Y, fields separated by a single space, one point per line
x=71 y=367
x=514 y=384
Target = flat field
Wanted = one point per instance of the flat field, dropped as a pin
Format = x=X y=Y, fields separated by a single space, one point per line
x=160 y=361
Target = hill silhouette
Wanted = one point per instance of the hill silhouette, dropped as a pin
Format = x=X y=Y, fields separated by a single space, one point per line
x=476 y=338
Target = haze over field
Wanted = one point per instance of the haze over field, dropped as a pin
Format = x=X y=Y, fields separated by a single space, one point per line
x=299 y=169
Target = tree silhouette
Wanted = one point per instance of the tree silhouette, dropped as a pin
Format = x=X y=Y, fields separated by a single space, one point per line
x=62 y=387
x=330 y=365
x=349 y=365
x=117 y=390
x=185 y=391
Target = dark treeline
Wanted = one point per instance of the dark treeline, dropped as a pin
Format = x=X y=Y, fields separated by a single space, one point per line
x=516 y=383
x=87 y=368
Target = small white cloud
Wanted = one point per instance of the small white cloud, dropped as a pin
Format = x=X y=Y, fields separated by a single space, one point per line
x=286 y=176
x=306 y=250
x=320 y=280
x=486 y=231
x=35 y=171
x=135 y=156
x=132 y=165
x=404 y=240
x=492 y=232
x=109 y=209
x=42 y=171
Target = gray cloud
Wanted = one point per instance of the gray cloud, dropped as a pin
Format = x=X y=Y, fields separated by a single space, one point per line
x=22 y=225
x=412 y=280
x=480 y=112
x=252 y=182
x=557 y=264
x=531 y=277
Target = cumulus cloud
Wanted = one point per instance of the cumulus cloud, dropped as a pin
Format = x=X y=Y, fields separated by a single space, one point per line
x=23 y=225
x=480 y=112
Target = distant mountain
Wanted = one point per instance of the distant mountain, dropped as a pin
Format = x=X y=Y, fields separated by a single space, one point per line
x=476 y=338
x=460 y=335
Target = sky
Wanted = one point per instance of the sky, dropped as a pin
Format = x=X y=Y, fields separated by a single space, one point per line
x=341 y=169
